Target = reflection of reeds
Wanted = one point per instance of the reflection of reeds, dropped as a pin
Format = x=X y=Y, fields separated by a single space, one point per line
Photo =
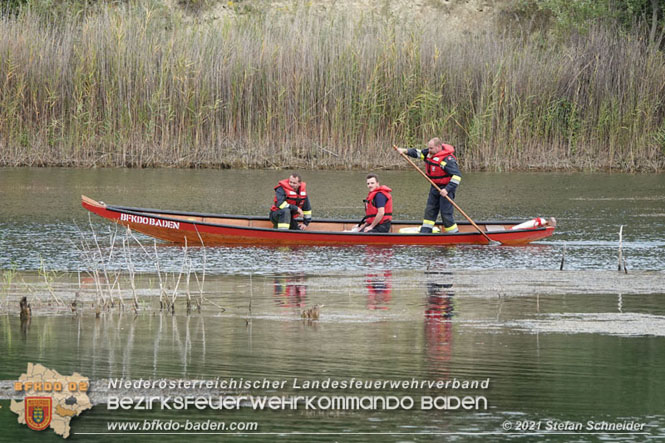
x=119 y=344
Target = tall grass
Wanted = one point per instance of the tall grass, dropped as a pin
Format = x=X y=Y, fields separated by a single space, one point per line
x=140 y=86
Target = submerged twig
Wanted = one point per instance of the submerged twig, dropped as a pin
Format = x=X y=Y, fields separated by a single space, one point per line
x=203 y=274
x=249 y=306
x=159 y=275
x=177 y=283
x=44 y=273
x=107 y=280
x=130 y=267
x=103 y=262
x=189 y=295
x=92 y=261
x=620 y=248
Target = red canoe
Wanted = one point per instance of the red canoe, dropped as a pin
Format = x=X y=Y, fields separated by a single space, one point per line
x=215 y=229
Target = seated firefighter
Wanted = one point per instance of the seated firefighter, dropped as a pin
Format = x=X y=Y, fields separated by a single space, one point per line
x=291 y=203
x=378 y=207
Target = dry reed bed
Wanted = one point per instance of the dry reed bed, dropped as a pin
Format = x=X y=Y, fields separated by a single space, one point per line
x=139 y=87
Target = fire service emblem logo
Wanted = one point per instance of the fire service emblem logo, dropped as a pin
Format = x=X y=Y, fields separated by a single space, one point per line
x=38 y=412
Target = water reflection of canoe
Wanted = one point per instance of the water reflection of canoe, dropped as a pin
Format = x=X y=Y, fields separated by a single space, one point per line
x=215 y=229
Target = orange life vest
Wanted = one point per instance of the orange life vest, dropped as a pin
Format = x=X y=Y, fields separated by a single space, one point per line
x=433 y=165
x=371 y=210
x=292 y=197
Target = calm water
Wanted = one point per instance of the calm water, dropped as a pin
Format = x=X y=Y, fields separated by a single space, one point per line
x=580 y=344
x=40 y=210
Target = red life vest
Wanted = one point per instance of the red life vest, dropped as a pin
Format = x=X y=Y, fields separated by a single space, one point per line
x=292 y=197
x=371 y=210
x=433 y=165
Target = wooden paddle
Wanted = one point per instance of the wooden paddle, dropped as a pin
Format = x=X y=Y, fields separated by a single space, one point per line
x=491 y=242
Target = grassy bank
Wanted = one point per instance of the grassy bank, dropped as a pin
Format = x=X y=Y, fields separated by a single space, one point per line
x=143 y=86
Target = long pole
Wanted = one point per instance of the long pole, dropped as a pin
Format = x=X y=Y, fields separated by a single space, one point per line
x=449 y=199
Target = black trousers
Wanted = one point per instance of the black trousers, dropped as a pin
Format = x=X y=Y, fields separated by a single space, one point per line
x=383 y=227
x=435 y=204
x=283 y=219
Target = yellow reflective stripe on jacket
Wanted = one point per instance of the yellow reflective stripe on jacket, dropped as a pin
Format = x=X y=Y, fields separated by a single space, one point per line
x=420 y=154
x=306 y=213
x=456 y=179
x=283 y=205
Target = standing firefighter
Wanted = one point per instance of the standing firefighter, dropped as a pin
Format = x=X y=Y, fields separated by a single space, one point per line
x=291 y=202
x=441 y=167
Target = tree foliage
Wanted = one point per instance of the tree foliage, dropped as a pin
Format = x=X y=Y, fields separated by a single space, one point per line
x=565 y=16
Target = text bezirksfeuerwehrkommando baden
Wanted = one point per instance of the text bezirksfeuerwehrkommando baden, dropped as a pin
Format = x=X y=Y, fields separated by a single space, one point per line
x=297 y=383
x=334 y=401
